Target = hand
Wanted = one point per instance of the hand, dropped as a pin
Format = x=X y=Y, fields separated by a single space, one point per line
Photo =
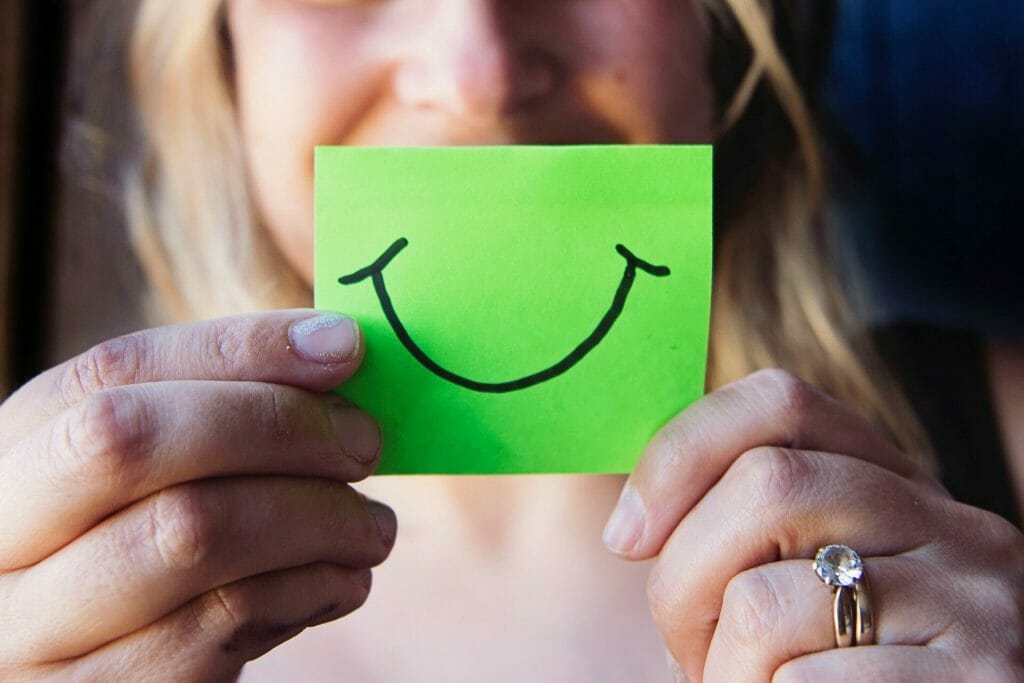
x=736 y=494
x=174 y=501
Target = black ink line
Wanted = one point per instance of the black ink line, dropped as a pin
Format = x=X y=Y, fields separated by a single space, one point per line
x=375 y=271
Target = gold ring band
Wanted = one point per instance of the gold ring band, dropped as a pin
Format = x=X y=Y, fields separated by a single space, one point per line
x=841 y=569
x=864 y=626
x=843 y=617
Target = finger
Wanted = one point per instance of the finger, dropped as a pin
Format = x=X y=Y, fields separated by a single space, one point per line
x=781 y=611
x=120 y=445
x=299 y=348
x=212 y=637
x=777 y=504
x=769 y=408
x=890 y=663
x=160 y=553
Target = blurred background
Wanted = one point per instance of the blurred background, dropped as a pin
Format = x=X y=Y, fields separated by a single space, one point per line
x=926 y=99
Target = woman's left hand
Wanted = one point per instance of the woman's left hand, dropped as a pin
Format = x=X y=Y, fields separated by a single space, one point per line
x=735 y=496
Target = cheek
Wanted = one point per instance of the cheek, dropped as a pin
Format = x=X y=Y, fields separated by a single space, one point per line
x=647 y=65
x=308 y=75
x=303 y=76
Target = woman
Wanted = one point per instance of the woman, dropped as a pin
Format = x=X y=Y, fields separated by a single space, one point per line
x=205 y=515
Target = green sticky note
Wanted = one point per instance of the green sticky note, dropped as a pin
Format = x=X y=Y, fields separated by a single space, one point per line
x=525 y=309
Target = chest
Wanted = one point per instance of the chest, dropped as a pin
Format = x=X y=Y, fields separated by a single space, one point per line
x=436 y=615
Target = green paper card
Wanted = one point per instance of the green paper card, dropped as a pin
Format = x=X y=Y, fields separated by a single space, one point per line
x=525 y=309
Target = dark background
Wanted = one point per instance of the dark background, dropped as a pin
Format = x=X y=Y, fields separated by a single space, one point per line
x=932 y=96
x=67 y=274
x=33 y=36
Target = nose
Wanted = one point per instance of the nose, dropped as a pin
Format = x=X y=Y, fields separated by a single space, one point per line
x=472 y=60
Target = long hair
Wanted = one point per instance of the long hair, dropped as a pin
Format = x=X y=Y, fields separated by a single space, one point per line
x=777 y=298
x=190 y=210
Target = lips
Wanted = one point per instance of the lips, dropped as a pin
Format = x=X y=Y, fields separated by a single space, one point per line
x=566 y=120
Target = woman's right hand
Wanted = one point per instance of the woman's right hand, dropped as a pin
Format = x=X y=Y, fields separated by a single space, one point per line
x=173 y=503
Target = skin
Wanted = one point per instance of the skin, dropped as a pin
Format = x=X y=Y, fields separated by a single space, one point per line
x=155 y=563
x=153 y=559
x=1006 y=368
x=372 y=74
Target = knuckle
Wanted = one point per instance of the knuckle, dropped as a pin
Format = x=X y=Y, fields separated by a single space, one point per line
x=226 y=612
x=106 y=436
x=109 y=364
x=273 y=411
x=182 y=528
x=675 y=443
x=751 y=608
x=233 y=343
x=782 y=384
x=658 y=598
x=667 y=602
x=789 y=396
x=1002 y=534
x=770 y=477
x=991 y=535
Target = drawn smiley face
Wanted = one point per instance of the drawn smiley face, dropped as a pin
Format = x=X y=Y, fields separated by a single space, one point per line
x=375 y=271
x=524 y=309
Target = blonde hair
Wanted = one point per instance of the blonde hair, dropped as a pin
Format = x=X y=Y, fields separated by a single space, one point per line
x=777 y=297
x=190 y=212
x=777 y=300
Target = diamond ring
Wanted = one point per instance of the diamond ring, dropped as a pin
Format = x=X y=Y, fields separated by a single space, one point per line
x=841 y=569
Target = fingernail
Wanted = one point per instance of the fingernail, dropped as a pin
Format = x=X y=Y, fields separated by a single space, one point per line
x=626 y=525
x=329 y=338
x=386 y=522
x=358 y=433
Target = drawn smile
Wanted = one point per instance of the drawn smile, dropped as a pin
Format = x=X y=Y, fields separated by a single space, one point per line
x=375 y=271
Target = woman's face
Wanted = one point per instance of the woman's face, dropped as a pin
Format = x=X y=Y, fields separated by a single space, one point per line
x=454 y=72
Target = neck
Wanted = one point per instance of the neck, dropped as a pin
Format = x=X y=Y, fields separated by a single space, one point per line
x=502 y=516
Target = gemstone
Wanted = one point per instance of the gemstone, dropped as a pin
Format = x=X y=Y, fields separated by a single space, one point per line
x=838 y=565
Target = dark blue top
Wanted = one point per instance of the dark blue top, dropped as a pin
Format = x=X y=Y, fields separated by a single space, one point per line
x=932 y=96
